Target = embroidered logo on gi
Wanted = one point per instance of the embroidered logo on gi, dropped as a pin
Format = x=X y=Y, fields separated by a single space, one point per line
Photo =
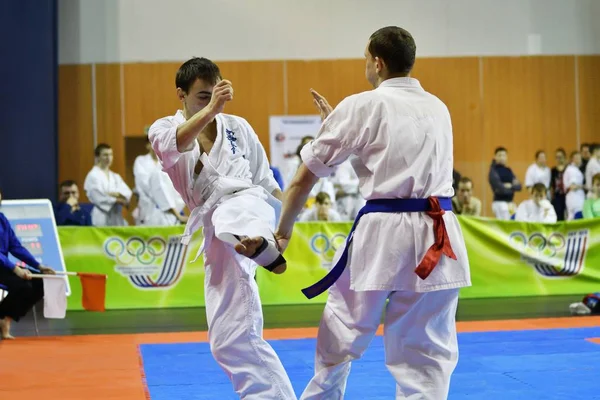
x=149 y=264
x=325 y=247
x=552 y=256
x=232 y=139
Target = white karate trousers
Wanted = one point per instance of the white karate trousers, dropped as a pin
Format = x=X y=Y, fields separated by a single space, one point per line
x=233 y=307
x=421 y=349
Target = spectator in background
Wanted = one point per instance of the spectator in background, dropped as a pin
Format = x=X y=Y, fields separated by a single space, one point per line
x=591 y=206
x=143 y=167
x=557 y=189
x=68 y=210
x=593 y=166
x=573 y=182
x=106 y=190
x=291 y=164
x=585 y=150
x=23 y=292
x=455 y=179
x=321 y=211
x=290 y=167
x=349 y=201
x=537 y=208
x=464 y=203
x=538 y=172
x=504 y=185
x=167 y=205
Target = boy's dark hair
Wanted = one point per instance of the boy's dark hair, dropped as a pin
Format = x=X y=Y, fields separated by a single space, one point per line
x=67 y=183
x=321 y=197
x=196 y=68
x=100 y=147
x=539 y=188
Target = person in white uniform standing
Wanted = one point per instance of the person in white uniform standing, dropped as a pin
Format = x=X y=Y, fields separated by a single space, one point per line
x=166 y=204
x=593 y=166
x=349 y=201
x=406 y=245
x=291 y=165
x=106 y=190
x=143 y=167
x=219 y=167
x=573 y=181
x=538 y=172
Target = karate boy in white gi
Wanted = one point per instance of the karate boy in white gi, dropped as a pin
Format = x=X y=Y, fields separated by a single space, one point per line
x=220 y=169
x=106 y=190
x=401 y=139
x=573 y=181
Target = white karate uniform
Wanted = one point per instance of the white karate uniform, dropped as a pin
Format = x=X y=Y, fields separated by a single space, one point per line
x=143 y=167
x=288 y=169
x=592 y=168
x=528 y=211
x=345 y=177
x=97 y=186
x=326 y=186
x=535 y=174
x=163 y=197
x=312 y=215
x=575 y=198
x=402 y=139
x=503 y=210
x=230 y=196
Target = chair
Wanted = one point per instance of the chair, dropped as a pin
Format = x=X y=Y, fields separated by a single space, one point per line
x=4 y=293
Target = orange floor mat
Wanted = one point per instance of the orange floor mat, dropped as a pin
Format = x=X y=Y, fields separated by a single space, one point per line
x=101 y=367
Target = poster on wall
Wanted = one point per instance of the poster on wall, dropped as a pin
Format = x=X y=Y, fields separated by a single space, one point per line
x=286 y=133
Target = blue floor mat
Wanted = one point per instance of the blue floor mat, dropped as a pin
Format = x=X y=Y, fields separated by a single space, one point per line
x=556 y=364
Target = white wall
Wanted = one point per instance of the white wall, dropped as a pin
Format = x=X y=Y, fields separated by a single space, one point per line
x=174 y=30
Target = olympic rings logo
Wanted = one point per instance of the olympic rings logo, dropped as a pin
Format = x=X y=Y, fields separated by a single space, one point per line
x=326 y=247
x=135 y=249
x=538 y=243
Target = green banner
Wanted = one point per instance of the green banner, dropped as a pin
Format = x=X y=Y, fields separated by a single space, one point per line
x=149 y=268
x=510 y=259
x=146 y=268
x=309 y=257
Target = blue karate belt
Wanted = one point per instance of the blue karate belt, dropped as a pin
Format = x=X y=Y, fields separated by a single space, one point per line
x=433 y=206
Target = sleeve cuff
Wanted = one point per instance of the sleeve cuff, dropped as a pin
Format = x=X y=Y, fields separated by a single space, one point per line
x=271 y=185
x=315 y=165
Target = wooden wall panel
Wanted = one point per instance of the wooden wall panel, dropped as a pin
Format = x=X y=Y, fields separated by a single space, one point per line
x=334 y=79
x=589 y=98
x=109 y=115
x=149 y=94
x=75 y=124
x=522 y=103
x=529 y=104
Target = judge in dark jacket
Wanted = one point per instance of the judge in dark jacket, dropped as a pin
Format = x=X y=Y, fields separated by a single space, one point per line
x=23 y=292
x=68 y=211
x=504 y=184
